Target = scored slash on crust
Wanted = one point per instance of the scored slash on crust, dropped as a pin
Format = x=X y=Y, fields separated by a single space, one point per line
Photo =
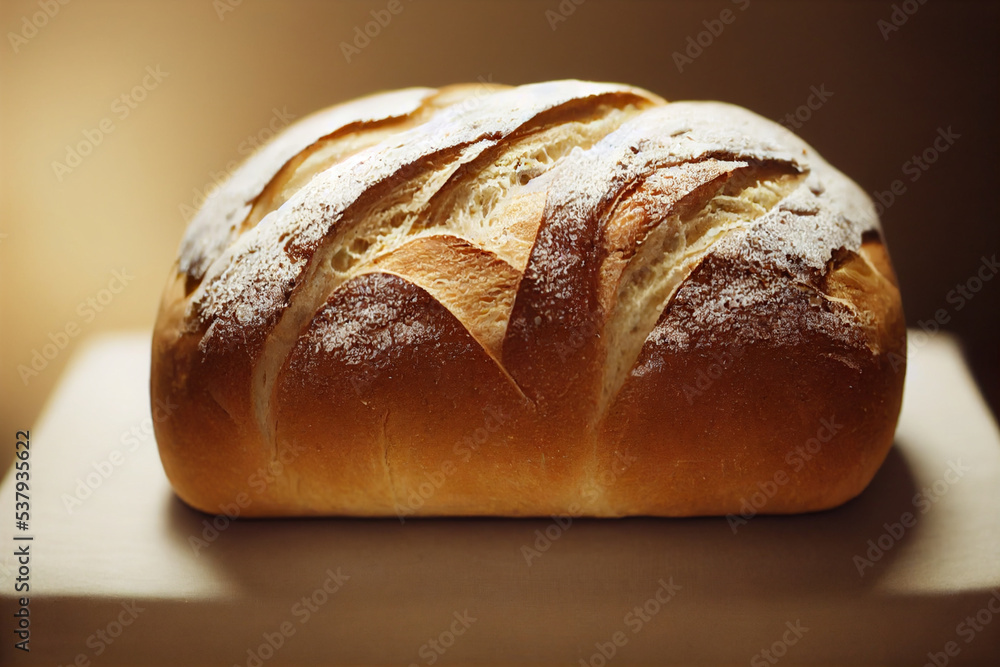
x=555 y=222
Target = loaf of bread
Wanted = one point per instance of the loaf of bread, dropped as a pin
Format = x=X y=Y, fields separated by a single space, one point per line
x=566 y=298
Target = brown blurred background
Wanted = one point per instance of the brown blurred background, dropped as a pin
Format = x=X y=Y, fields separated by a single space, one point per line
x=200 y=78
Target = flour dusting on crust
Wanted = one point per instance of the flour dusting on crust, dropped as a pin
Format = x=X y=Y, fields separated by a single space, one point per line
x=683 y=151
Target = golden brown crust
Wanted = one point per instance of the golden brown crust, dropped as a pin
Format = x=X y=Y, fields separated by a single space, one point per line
x=566 y=298
x=729 y=414
x=474 y=284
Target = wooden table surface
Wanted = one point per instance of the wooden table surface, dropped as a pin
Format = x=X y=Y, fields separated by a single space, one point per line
x=121 y=572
